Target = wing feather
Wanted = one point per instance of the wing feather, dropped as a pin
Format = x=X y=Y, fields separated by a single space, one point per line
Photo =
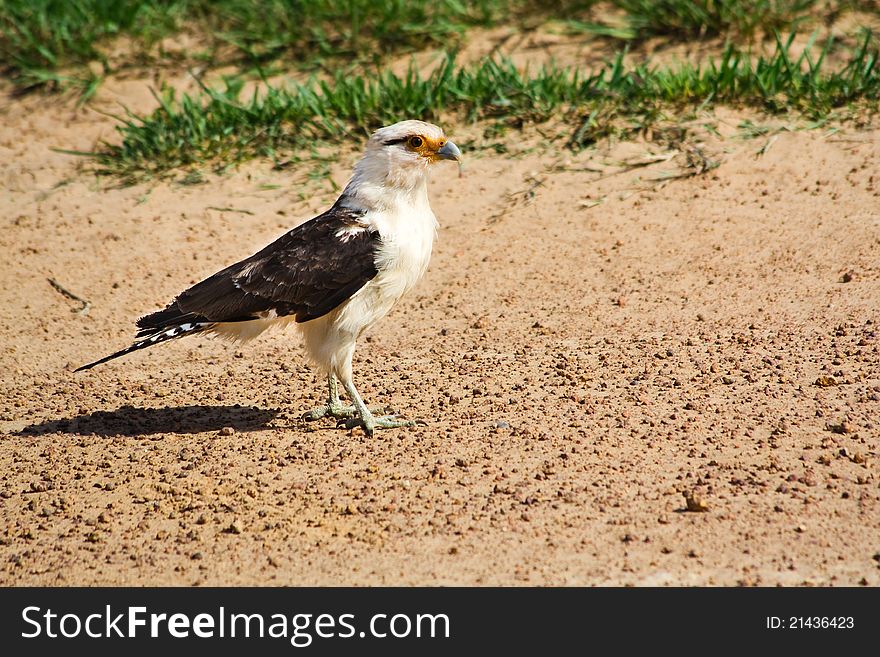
x=306 y=272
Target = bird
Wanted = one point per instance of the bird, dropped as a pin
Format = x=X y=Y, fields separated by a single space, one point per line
x=333 y=276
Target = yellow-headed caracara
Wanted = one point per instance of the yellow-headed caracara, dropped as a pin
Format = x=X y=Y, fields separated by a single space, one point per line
x=334 y=276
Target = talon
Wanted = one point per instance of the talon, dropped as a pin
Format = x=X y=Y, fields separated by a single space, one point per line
x=351 y=423
x=314 y=414
x=338 y=411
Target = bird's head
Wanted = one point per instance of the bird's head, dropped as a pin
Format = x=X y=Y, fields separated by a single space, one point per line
x=412 y=144
x=400 y=155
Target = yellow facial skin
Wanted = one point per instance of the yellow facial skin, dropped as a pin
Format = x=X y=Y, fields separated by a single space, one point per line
x=426 y=146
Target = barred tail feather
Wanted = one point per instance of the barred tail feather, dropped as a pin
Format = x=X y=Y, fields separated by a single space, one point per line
x=163 y=335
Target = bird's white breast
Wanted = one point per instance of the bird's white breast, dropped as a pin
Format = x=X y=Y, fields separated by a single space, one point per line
x=406 y=238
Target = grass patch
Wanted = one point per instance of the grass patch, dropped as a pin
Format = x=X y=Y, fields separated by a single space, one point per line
x=51 y=42
x=222 y=128
x=354 y=30
x=681 y=19
x=58 y=43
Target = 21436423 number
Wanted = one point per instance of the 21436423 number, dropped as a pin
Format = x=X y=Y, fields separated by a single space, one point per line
x=821 y=622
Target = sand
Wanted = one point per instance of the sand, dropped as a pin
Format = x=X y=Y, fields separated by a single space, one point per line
x=589 y=347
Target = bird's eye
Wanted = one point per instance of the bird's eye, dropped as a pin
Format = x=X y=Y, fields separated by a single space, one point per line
x=415 y=142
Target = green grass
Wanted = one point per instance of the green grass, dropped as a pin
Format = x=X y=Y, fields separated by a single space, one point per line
x=221 y=128
x=53 y=42
x=355 y=29
x=682 y=19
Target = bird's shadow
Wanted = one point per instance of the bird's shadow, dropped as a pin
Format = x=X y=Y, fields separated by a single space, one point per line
x=132 y=421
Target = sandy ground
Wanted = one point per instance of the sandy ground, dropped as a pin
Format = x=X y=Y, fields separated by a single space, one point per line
x=588 y=346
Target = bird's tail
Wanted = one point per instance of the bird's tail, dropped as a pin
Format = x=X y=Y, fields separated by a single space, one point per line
x=149 y=339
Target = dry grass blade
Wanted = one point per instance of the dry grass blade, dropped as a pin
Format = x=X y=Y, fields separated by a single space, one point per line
x=520 y=198
x=70 y=295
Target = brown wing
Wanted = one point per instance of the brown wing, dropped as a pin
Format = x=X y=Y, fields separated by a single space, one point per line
x=307 y=273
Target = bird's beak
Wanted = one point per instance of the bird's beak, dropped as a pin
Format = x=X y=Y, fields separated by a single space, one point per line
x=449 y=152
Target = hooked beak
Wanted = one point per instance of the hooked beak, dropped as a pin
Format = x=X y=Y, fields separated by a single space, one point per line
x=449 y=152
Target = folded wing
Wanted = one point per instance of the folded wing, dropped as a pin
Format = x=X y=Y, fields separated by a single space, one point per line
x=306 y=273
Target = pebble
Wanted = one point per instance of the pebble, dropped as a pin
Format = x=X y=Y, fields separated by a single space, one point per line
x=694 y=502
x=226 y=431
x=843 y=428
x=501 y=424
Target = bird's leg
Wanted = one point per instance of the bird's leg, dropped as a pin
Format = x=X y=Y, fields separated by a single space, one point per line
x=334 y=406
x=332 y=392
x=366 y=418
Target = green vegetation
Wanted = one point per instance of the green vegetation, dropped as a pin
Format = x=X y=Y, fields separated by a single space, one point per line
x=355 y=29
x=52 y=42
x=699 y=18
x=222 y=128
x=55 y=44
x=60 y=43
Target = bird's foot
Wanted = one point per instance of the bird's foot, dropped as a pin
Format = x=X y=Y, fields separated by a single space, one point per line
x=338 y=411
x=371 y=423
